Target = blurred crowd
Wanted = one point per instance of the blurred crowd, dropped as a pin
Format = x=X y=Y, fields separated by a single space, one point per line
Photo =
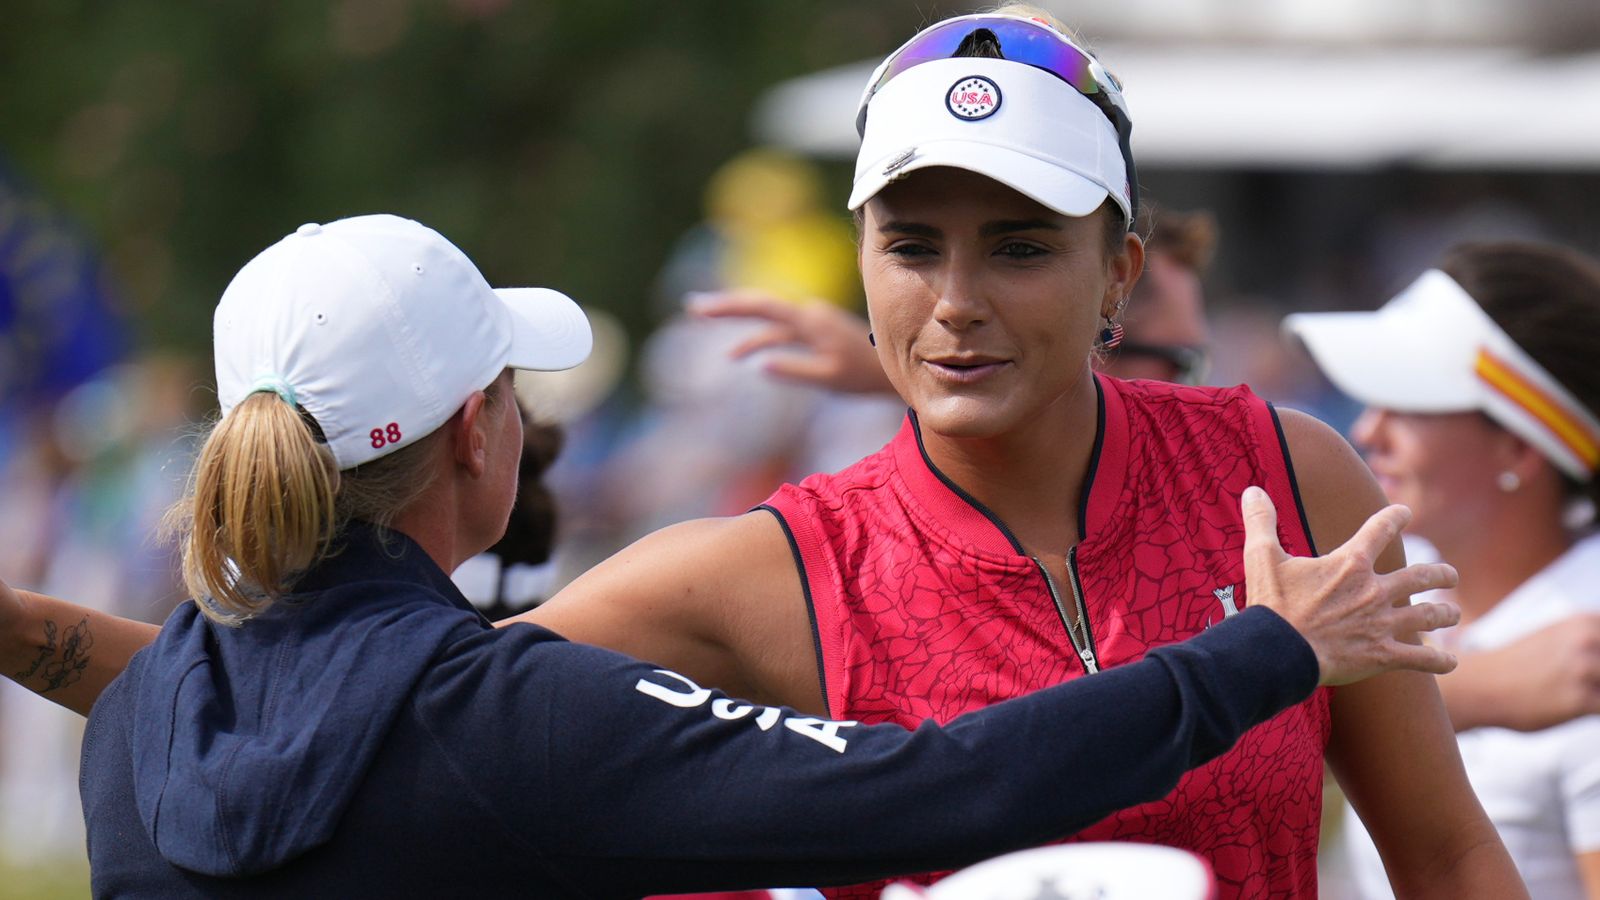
x=92 y=451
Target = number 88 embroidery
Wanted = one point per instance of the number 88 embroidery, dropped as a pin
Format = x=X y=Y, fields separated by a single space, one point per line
x=382 y=437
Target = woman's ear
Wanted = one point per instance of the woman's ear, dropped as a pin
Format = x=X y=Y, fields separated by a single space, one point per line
x=468 y=438
x=1124 y=268
x=1526 y=461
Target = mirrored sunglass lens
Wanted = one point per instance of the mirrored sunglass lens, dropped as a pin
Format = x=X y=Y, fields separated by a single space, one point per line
x=1024 y=42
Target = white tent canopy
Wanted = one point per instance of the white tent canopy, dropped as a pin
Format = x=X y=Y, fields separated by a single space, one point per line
x=1289 y=106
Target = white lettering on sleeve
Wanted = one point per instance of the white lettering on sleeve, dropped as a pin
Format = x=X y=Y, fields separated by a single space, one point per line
x=695 y=696
x=724 y=709
x=822 y=731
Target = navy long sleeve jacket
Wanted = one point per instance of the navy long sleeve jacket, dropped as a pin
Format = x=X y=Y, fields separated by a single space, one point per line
x=373 y=736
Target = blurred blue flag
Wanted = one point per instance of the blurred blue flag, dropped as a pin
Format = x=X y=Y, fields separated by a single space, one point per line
x=58 y=324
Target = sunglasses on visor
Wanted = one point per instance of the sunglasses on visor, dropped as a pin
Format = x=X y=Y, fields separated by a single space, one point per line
x=1026 y=41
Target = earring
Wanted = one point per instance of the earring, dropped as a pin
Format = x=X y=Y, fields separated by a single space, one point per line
x=872 y=340
x=1509 y=481
x=1111 y=335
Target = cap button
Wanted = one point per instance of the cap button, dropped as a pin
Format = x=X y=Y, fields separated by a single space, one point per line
x=308 y=229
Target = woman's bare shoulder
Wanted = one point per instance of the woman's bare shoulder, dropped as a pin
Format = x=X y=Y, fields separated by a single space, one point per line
x=719 y=600
x=1336 y=487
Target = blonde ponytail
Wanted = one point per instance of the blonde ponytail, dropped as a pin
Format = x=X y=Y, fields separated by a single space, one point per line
x=261 y=509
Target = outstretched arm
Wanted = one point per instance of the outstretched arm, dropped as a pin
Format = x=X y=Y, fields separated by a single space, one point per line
x=720 y=793
x=1392 y=747
x=64 y=652
x=1537 y=682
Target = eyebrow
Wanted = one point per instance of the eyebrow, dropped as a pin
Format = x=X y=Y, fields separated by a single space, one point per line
x=989 y=229
x=1006 y=226
x=914 y=229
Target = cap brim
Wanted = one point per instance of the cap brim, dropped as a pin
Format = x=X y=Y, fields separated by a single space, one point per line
x=1386 y=360
x=549 y=332
x=1058 y=188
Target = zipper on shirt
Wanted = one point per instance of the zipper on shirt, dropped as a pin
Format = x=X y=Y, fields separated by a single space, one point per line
x=1082 y=638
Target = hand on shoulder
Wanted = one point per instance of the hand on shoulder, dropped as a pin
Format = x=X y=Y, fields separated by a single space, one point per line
x=1353 y=603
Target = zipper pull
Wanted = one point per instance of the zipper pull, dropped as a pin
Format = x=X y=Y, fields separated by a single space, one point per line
x=1088 y=661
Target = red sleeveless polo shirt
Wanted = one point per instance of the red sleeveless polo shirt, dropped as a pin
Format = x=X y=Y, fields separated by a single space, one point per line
x=925 y=606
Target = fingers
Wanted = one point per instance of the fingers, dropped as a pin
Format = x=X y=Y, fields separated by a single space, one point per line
x=776 y=336
x=1423 y=658
x=742 y=304
x=800 y=368
x=1419 y=578
x=1420 y=617
x=1261 y=545
x=1376 y=533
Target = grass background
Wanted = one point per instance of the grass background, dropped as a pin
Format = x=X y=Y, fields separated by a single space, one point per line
x=62 y=879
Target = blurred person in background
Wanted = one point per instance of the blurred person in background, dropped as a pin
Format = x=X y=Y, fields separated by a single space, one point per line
x=733 y=437
x=1481 y=390
x=1166 y=337
x=81 y=453
x=1165 y=333
x=515 y=574
x=83 y=499
x=268 y=742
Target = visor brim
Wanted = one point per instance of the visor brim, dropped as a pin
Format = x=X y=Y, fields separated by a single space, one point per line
x=549 y=332
x=1048 y=183
x=1385 y=361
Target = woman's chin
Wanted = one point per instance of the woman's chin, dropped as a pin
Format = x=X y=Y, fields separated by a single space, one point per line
x=964 y=417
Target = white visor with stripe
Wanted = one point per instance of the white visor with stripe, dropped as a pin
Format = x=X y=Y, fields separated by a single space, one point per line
x=1432 y=349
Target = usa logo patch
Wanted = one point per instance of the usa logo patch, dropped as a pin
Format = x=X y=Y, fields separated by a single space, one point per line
x=973 y=98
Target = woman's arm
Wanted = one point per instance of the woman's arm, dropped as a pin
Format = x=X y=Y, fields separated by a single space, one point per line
x=684 y=788
x=1589 y=869
x=64 y=652
x=719 y=600
x=1392 y=746
x=1539 y=681
x=638 y=780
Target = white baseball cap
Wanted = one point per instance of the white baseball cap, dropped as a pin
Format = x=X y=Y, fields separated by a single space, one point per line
x=1107 y=870
x=1015 y=123
x=1432 y=349
x=380 y=329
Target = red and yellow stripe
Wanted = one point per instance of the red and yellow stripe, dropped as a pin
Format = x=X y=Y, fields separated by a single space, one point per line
x=1568 y=428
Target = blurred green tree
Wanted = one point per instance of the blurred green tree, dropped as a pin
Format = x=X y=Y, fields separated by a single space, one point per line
x=560 y=143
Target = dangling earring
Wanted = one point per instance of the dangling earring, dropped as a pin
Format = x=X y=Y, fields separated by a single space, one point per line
x=872 y=340
x=1509 y=481
x=1111 y=334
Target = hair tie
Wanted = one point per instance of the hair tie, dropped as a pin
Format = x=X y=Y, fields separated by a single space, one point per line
x=276 y=385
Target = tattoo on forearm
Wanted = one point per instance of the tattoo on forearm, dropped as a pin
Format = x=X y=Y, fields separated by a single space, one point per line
x=45 y=652
x=63 y=658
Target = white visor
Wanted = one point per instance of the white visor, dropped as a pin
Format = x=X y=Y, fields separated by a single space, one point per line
x=1432 y=349
x=1017 y=124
